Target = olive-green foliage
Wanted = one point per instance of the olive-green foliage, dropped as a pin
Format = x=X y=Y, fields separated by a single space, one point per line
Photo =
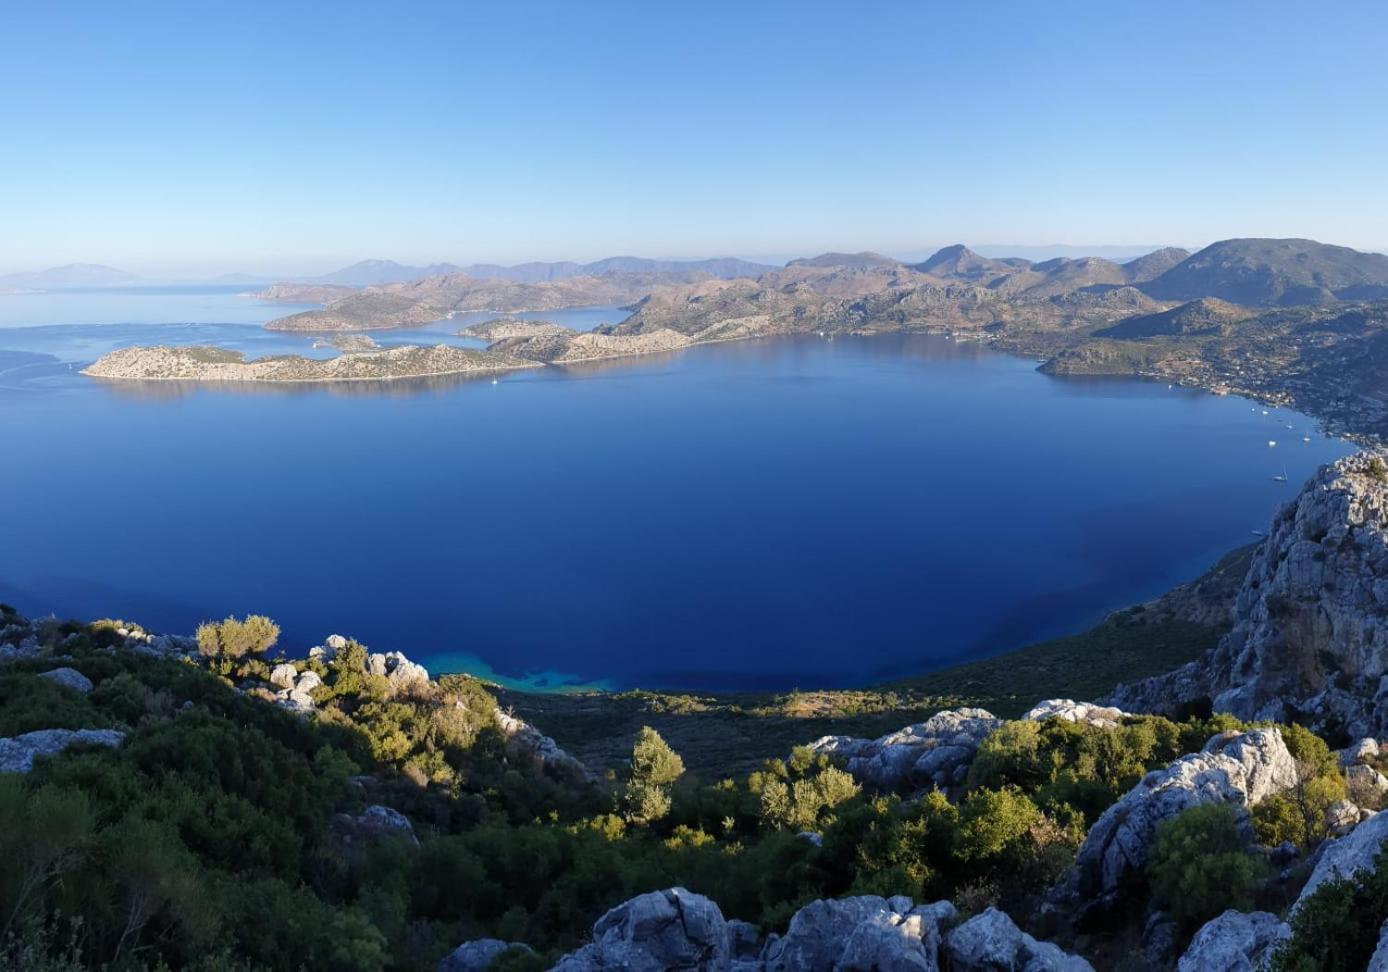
x=1336 y=928
x=798 y=793
x=654 y=769
x=1200 y=865
x=1298 y=815
x=235 y=639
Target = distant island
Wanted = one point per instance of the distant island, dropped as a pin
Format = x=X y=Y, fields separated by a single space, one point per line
x=71 y=275
x=163 y=363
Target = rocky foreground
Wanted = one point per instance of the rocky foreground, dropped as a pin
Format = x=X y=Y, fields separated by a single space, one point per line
x=164 y=363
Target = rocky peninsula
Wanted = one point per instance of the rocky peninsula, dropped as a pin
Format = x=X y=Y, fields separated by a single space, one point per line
x=164 y=363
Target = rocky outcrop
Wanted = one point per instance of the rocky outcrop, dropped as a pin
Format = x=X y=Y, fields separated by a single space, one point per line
x=864 y=932
x=1237 y=769
x=1234 y=942
x=1069 y=711
x=671 y=929
x=1310 y=635
x=936 y=752
x=1347 y=856
x=529 y=740
x=991 y=942
x=373 y=824
x=17 y=754
x=1378 y=962
x=478 y=955
x=69 y=678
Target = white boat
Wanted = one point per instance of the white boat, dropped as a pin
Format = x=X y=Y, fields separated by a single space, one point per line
x=1282 y=478
x=1272 y=443
x=1305 y=438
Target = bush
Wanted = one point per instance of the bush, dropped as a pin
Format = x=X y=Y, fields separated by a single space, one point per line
x=1336 y=929
x=1200 y=866
x=236 y=639
x=654 y=769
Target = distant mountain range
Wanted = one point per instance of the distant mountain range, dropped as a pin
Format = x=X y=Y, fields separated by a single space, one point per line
x=369 y=273
x=1266 y=273
x=71 y=275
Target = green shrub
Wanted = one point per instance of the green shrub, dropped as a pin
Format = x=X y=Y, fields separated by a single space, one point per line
x=654 y=769
x=236 y=639
x=1336 y=928
x=1199 y=865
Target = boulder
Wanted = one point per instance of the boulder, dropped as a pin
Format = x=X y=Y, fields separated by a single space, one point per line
x=477 y=956
x=529 y=740
x=284 y=676
x=1366 y=778
x=17 y=755
x=375 y=823
x=1362 y=751
x=1238 y=769
x=1095 y=715
x=69 y=678
x=935 y=752
x=335 y=642
x=1378 y=962
x=404 y=675
x=991 y=942
x=1347 y=855
x=1234 y=942
x=671 y=929
x=307 y=682
x=860 y=933
x=295 y=700
x=1341 y=817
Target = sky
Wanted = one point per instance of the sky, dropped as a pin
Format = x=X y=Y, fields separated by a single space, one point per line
x=256 y=137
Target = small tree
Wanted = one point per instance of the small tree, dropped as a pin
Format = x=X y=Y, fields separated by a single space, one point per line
x=1200 y=865
x=654 y=769
x=236 y=639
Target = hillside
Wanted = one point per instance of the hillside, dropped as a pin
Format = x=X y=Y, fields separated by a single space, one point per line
x=1208 y=315
x=852 y=260
x=958 y=262
x=1270 y=272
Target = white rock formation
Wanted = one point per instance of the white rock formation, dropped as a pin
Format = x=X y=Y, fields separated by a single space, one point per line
x=1234 y=942
x=935 y=752
x=1378 y=962
x=17 y=754
x=1310 y=633
x=372 y=824
x=671 y=929
x=284 y=675
x=477 y=956
x=864 y=932
x=536 y=744
x=991 y=942
x=1238 y=769
x=1347 y=856
x=69 y=678
x=1070 y=711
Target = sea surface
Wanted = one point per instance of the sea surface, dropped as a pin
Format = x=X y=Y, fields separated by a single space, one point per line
x=796 y=512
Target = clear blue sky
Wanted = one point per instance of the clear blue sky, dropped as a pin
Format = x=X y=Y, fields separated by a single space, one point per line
x=249 y=135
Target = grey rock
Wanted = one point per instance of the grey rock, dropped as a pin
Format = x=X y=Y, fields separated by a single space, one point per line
x=375 y=823
x=1070 y=711
x=1234 y=942
x=925 y=754
x=284 y=676
x=1378 y=962
x=1360 y=752
x=307 y=682
x=991 y=942
x=1366 y=777
x=744 y=939
x=1240 y=770
x=861 y=933
x=335 y=642
x=671 y=929
x=477 y=956
x=525 y=738
x=1341 y=817
x=1310 y=634
x=810 y=837
x=1160 y=937
x=17 y=754
x=69 y=678
x=1347 y=856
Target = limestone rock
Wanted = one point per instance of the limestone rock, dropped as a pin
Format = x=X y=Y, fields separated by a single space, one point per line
x=307 y=682
x=1348 y=855
x=1234 y=942
x=1378 y=962
x=372 y=824
x=477 y=956
x=284 y=676
x=1240 y=770
x=671 y=929
x=935 y=752
x=69 y=678
x=1069 y=711
x=1310 y=634
x=17 y=755
x=1362 y=751
x=861 y=933
x=1366 y=778
x=526 y=738
x=1341 y=817
x=991 y=942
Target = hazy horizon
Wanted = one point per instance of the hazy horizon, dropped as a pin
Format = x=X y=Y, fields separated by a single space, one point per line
x=184 y=142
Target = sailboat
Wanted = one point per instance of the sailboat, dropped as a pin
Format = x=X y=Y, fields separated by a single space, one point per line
x=1282 y=478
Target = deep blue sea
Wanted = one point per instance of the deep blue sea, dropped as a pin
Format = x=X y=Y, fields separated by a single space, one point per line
x=792 y=512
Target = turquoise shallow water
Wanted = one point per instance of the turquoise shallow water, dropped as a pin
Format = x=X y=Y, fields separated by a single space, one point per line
x=797 y=512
